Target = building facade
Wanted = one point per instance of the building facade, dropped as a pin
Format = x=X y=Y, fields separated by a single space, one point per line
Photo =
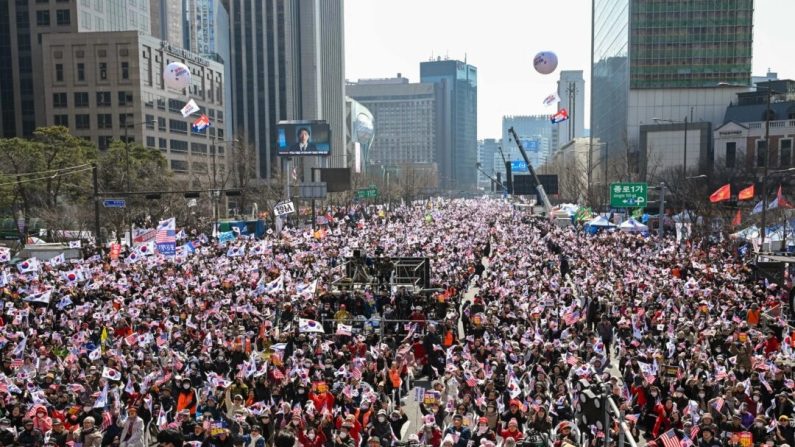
x=359 y=134
x=665 y=60
x=570 y=164
x=168 y=21
x=105 y=86
x=535 y=132
x=405 y=115
x=488 y=149
x=287 y=63
x=22 y=25
x=571 y=90
x=457 y=154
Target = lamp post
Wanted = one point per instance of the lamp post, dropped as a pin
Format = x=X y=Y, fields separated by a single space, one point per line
x=127 y=163
x=215 y=192
x=684 y=143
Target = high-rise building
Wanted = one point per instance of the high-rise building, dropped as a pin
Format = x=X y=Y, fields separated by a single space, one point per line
x=457 y=156
x=22 y=25
x=665 y=60
x=571 y=90
x=168 y=21
x=287 y=63
x=108 y=85
x=487 y=150
x=406 y=119
x=535 y=133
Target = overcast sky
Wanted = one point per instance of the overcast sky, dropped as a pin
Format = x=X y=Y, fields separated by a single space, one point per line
x=500 y=37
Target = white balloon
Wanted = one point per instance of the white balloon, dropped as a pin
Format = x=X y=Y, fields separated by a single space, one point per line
x=177 y=75
x=545 y=62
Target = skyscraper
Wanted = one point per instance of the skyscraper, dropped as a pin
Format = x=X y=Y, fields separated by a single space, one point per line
x=457 y=150
x=287 y=64
x=22 y=23
x=168 y=21
x=571 y=90
x=659 y=59
x=535 y=131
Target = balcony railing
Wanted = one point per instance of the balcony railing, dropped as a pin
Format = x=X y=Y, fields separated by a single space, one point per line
x=773 y=124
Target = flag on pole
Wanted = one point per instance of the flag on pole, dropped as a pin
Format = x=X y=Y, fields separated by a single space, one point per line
x=28 y=266
x=58 y=260
x=746 y=194
x=110 y=373
x=5 y=254
x=344 y=329
x=75 y=244
x=738 y=219
x=102 y=399
x=722 y=194
x=190 y=108
x=307 y=325
x=166 y=238
x=201 y=123
x=781 y=201
x=41 y=298
x=669 y=439
x=552 y=98
x=559 y=117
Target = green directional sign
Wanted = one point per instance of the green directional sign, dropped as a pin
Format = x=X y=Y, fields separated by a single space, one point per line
x=629 y=195
x=367 y=193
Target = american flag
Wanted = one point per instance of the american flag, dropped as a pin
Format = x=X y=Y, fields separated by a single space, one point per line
x=201 y=123
x=694 y=432
x=356 y=373
x=472 y=382
x=717 y=404
x=669 y=439
x=686 y=442
x=571 y=359
x=107 y=420
x=17 y=363
x=571 y=317
x=166 y=237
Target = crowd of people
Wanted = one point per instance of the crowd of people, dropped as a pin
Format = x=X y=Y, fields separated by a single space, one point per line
x=263 y=343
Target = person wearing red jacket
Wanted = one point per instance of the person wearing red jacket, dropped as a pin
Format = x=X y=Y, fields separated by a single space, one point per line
x=323 y=400
x=430 y=435
x=663 y=421
x=353 y=426
x=512 y=432
x=311 y=438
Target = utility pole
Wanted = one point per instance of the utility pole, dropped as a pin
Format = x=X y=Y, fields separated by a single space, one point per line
x=660 y=221
x=764 y=174
x=97 y=236
x=129 y=185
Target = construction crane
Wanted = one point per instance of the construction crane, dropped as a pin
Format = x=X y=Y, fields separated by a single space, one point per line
x=539 y=187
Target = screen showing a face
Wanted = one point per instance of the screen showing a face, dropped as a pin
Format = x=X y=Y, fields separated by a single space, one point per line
x=303 y=138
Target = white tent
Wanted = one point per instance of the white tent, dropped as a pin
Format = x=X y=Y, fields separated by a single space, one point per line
x=632 y=226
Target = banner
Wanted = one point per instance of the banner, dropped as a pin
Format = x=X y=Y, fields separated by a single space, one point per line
x=190 y=108
x=559 y=117
x=166 y=238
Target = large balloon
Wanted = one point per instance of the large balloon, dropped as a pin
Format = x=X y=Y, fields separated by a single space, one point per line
x=177 y=75
x=545 y=62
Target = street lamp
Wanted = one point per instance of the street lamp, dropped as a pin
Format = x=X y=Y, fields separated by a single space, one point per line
x=127 y=127
x=684 y=144
x=216 y=192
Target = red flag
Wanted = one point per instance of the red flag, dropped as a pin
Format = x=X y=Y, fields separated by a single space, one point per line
x=782 y=202
x=746 y=194
x=738 y=219
x=723 y=193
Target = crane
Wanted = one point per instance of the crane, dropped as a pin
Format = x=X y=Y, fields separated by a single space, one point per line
x=539 y=187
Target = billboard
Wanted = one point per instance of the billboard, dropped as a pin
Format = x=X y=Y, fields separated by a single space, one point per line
x=518 y=166
x=303 y=138
x=337 y=179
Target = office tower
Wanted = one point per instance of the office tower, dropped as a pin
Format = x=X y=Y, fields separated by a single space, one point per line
x=457 y=149
x=571 y=90
x=22 y=25
x=108 y=85
x=535 y=133
x=665 y=60
x=168 y=21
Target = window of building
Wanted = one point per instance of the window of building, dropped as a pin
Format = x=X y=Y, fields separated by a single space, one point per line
x=104 y=142
x=105 y=121
x=179 y=146
x=43 y=18
x=175 y=105
x=61 y=120
x=785 y=153
x=162 y=143
x=83 y=121
x=59 y=72
x=199 y=167
x=161 y=103
x=63 y=17
x=125 y=98
x=81 y=99
x=103 y=99
x=150 y=122
x=150 y=142
x=161 y=124
x=178 y=165
x=178 y=126
x=42 y=1
x=125 y=118
x=81 y=72
x=761 y=153
x=198 y=148
x=219 y=116
x=125 y=70
x=59 y=100
x=103 y=70
x=731 y=154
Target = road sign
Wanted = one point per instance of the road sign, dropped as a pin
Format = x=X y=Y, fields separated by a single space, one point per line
x=518 y=166
x=367 y=193
x=629 y=195
x=284 y=208
x=114 y=203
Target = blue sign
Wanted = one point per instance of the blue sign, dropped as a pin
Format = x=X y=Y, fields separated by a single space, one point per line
x=530 y=145
x=518 y=166
x=114 y=203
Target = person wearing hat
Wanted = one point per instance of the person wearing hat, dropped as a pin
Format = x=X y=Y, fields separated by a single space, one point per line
x=132 y=434
x=514 y=412
x=382 y=429
x=30 y=435
x=210 y=407
x=460 y=433
x=784 y=432
x=233 y=404
x=512 y=432
x=707 y=438
x=483 y=432
x=58 y=435
x=397 y=419
x=343 y=436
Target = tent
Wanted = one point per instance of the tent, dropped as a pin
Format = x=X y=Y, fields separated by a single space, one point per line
x=632 y=226
x=598 y=223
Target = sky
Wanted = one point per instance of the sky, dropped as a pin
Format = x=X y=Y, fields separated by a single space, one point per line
x=500 y=38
